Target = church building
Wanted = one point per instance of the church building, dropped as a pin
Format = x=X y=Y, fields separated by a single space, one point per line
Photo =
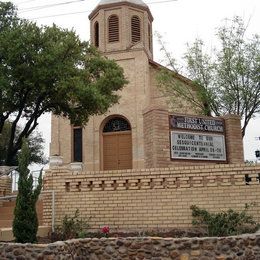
x=135 y=133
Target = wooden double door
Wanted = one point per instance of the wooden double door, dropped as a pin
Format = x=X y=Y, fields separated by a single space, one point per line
x=117 y=150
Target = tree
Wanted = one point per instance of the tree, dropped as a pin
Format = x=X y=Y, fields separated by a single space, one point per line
x=227 y=80
x=25 y=224
x=49 y=69
x=35 y=142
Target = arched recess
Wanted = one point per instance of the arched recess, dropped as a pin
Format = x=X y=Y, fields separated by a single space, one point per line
x=113 y=28
x=116 y=143
x=135 y=29
x=96 y=34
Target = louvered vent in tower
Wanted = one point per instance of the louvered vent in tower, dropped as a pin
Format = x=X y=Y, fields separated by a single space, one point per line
x=135 y=28
x=96 y=34
x=150 y=37
x=113 y=28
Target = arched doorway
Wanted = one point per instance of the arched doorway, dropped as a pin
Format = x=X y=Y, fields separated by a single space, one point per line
x=117 y=144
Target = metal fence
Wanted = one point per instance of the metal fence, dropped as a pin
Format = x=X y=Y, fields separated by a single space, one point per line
x=15 y=177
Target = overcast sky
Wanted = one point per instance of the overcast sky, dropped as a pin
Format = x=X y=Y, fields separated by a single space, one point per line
x=178 y=22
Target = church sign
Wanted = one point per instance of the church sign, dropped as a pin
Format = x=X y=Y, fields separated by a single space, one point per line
x=196 y=138
x=197 y=123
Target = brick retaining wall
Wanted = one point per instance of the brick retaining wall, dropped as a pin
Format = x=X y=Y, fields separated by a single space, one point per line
x=151 y=198
x=5 y=185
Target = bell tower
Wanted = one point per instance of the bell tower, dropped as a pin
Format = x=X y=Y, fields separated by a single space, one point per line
x=121 y=25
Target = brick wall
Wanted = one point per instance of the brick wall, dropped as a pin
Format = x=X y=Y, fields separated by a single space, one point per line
x=152 y=198
x=47 y=200
x=157 y=140
x=234 y=141
x=5 y=185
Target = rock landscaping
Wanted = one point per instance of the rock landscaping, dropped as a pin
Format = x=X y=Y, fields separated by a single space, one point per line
x=246 y=247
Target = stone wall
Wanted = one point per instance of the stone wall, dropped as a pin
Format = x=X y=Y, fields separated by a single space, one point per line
x=241 y=247
x=151 y=198
x=157 y=140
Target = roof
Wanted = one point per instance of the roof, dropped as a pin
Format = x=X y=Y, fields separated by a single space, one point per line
x=175 y=74
x=136 y=2
x=113 y=3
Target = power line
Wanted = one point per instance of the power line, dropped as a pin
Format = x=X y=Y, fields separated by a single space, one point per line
x=25 y=2
x=20 y=3
x=47 y=6
x=56 y=15
x=89 y=11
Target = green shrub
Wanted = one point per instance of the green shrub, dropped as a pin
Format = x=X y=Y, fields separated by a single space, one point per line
x=25 y=224
x=225 y=223
x=71 y=227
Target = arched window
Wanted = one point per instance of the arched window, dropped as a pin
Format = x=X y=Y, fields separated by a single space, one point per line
x=96 y=34
x=135 y=29
x=150 y=37
x=113 y=28
x=116 y=124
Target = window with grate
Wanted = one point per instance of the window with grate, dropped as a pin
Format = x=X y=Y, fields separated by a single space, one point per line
x=113 y=28
x=135 y=28
x=116 y=124
x=150 y=37
x=77 y=144
x=96 y=34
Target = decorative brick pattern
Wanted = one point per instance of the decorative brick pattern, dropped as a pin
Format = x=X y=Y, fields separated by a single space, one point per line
x=152 y=198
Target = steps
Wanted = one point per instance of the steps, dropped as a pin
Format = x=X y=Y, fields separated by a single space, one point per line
x=6 y=234
x=7 y=216
x=7 y=213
